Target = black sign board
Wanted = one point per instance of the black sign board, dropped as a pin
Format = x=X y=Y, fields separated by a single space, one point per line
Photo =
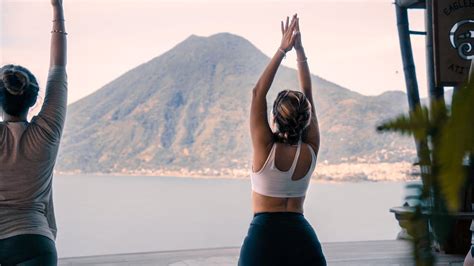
x=453 y=32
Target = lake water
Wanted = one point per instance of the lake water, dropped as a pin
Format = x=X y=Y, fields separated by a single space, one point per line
x=125 y=214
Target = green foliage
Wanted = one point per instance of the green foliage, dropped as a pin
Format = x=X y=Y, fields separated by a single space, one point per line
x=416 y=225
x=450 y=133
x=456 y=143
x=417 y=123
x=452 y=139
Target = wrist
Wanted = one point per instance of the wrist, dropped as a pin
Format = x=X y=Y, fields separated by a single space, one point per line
x=282 y=49
x=282 y=52
x=58 y=13
x=300 y=51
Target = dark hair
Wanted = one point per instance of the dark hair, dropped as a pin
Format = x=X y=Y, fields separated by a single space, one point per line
x=292 y=115
x=18 y=89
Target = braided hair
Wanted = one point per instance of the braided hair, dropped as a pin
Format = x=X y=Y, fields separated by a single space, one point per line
x=292 y=115
x=18 y=89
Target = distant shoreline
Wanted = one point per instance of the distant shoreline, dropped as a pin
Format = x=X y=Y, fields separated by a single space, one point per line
x=325 y=173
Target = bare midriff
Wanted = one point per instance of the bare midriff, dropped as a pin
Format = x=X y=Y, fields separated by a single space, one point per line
x=261 y=203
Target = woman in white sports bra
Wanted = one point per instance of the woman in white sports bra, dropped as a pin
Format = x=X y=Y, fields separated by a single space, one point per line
x=283 y=162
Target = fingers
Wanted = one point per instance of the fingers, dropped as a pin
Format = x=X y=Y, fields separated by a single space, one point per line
x=293 y=39
x=290 y=30
x=286 y=26
x=297 y=32
x=57 y=2
x=293 y=22
x=293 y=18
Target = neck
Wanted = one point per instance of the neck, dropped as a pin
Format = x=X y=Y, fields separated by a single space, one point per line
x=11 y=118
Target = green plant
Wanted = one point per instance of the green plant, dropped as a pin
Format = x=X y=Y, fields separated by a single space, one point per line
x=445 y=137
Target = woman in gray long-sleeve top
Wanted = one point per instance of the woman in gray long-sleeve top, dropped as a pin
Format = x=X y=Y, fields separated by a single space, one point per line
x=28 y=153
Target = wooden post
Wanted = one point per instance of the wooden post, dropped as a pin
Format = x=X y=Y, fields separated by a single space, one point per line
x=407 y=57
x=435 y=93
x=410 y=77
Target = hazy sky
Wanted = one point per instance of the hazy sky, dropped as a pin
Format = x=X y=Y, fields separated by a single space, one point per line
x=352 y=43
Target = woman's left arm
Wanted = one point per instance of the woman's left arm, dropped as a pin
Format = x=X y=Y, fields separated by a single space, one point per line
x=58 y=35
x=52 y=116
x=312 y=133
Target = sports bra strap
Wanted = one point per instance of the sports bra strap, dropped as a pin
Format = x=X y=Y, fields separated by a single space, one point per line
x=271 y=156
x=295 y=160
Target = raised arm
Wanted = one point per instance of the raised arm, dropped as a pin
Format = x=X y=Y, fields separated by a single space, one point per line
x=52 y=116
x=312 y=134
x=261 y=133
x=58 y=35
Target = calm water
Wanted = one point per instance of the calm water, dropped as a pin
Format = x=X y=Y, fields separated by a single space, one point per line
x=113 y=214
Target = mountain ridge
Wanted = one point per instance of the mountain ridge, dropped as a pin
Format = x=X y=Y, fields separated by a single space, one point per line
x=188 y=108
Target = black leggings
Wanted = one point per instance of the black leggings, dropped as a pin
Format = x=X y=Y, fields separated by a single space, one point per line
x=282 y=238
x=28 y=250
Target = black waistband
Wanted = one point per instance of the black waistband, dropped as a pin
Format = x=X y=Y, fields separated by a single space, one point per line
x=283 y=214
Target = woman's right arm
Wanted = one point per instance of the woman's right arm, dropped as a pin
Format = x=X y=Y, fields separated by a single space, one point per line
x=53 y=112
x=260 y=131
x=312 y=134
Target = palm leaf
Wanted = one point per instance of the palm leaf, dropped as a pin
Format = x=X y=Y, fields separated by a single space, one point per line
x=456 y=142
x=417 y=123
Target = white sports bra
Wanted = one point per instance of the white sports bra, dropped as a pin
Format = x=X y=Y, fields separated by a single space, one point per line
x=272 y=182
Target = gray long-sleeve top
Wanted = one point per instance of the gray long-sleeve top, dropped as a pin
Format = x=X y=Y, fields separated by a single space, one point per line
x=27 y=157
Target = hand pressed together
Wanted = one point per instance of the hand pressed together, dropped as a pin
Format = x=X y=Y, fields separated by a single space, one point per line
x=288 y=32
x=57 y=3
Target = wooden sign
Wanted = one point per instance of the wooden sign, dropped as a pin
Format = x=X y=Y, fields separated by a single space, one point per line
x=453 y=32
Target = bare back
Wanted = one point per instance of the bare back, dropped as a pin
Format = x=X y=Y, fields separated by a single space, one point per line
x=284 y=155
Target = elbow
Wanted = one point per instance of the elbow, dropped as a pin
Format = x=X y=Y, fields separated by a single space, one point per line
x=254 y=92
x=258 y=91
